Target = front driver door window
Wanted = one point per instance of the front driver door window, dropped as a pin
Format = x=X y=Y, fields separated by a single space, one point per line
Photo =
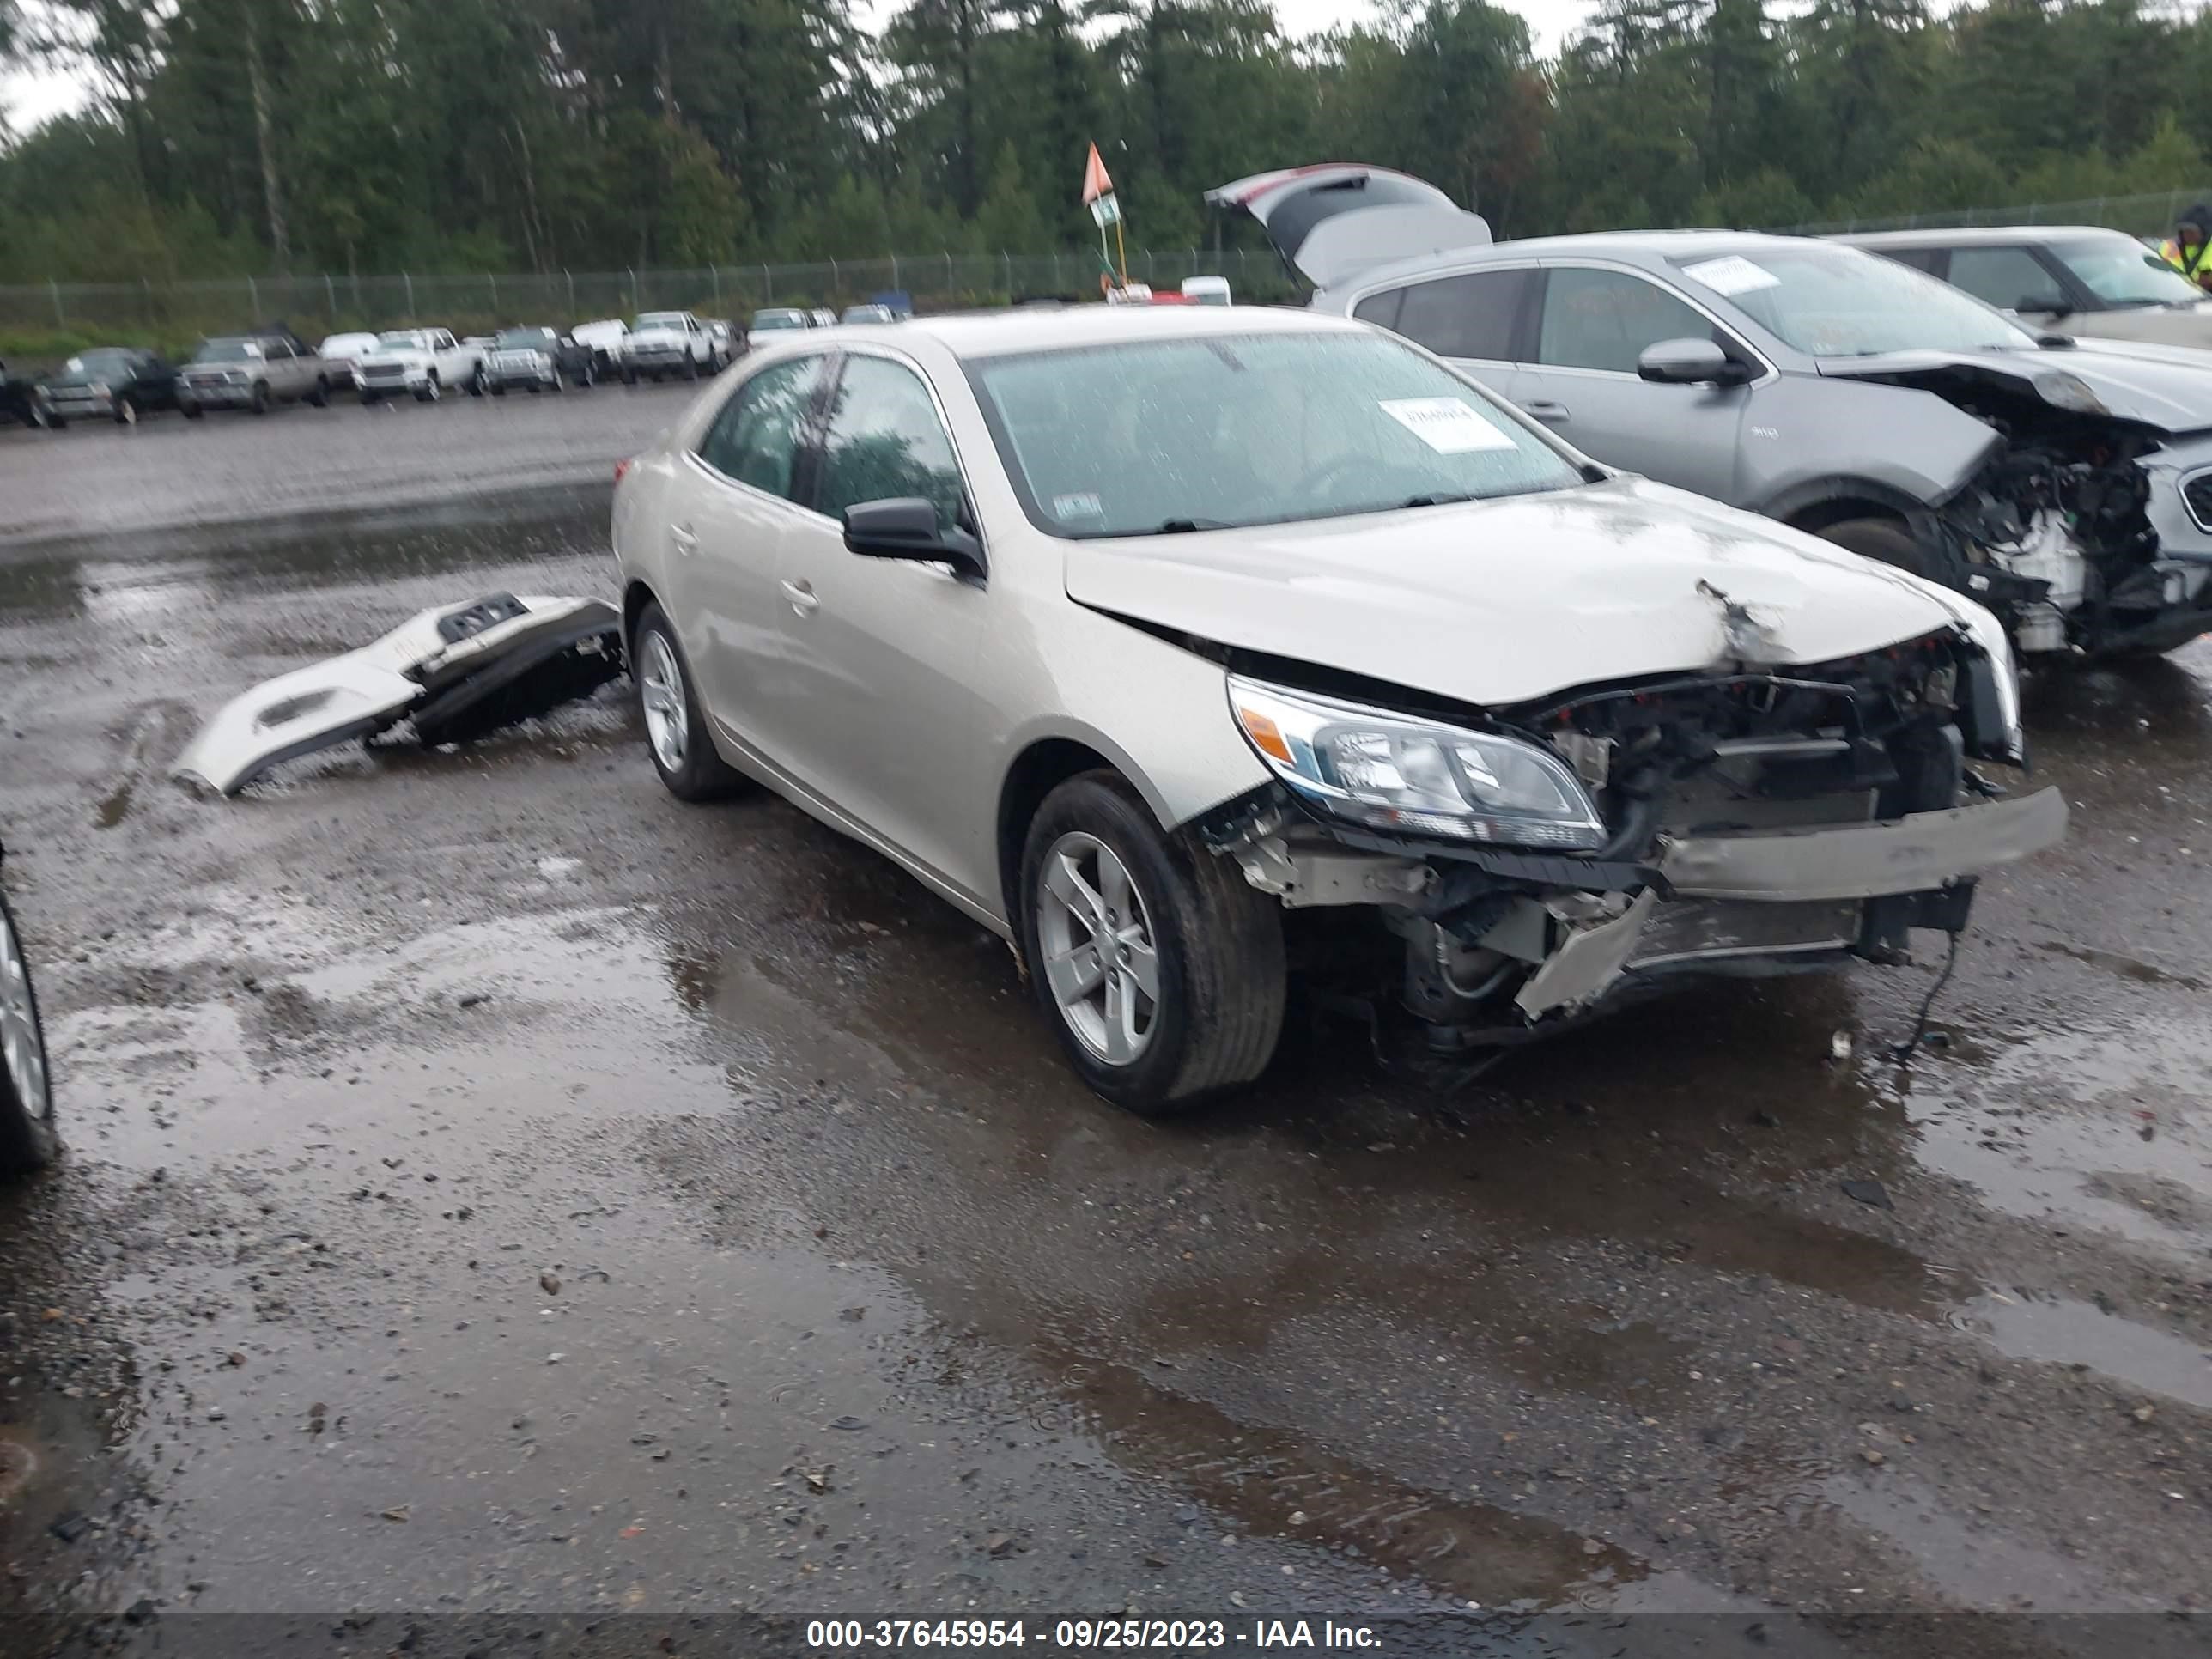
x=2009 y=278
x=1596 y=323
x=884 y=654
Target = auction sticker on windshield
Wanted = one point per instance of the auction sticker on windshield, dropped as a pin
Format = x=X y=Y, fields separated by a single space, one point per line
x=1447 y=425
x=1733 y=275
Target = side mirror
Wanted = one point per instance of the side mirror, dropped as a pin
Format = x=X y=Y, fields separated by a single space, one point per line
x=1689 y=362
x=2043 y=305
x=907 y=527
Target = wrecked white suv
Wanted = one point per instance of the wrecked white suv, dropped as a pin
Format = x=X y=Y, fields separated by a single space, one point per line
x=1185 y=647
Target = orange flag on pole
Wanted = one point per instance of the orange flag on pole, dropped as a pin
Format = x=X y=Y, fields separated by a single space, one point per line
x=1095 y=184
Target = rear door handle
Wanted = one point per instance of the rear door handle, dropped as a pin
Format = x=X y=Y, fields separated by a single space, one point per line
x=686 y=539
x=1545 y=410
x=804 y=601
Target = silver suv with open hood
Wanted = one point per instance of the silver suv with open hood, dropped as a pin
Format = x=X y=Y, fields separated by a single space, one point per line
x=1185 y=648
x=2066 y=486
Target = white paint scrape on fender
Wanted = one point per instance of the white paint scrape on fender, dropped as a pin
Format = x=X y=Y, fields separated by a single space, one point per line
x=513 y=656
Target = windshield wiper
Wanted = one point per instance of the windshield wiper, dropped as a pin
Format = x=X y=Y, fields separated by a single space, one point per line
x=1184 y=526
x=1436 y=501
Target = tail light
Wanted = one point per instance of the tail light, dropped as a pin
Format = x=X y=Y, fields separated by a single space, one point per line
x=623 y=467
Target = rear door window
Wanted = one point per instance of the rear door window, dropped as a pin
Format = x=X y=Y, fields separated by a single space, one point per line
x=1606 y=320
x=758 y=436
x=1475 y=314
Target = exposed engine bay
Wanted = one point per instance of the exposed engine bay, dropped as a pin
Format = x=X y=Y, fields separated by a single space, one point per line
x=2055 y=532
x=1757 y=820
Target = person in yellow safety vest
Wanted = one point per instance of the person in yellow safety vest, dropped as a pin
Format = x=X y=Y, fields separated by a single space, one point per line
x=2188 y=250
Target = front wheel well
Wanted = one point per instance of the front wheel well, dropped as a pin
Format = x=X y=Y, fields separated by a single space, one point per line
x=1036 y=772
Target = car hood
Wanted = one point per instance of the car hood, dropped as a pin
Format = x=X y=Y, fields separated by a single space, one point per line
x=1495 y=602
x=2166 y=392
x=397 y=354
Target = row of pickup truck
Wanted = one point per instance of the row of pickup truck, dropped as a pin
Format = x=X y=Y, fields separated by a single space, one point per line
x=258 y=371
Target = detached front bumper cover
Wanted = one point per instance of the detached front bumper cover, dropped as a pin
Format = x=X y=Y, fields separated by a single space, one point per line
x=459 y=671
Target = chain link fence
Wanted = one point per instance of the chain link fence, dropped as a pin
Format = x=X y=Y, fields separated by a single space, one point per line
x=2150 y=215
x=175 y=314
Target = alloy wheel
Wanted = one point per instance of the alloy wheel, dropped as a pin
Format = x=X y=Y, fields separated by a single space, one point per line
x=1099 y=956
x=660 y=689
x=20 y=1048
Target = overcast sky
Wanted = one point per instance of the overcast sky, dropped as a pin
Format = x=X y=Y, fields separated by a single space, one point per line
x=28 y=99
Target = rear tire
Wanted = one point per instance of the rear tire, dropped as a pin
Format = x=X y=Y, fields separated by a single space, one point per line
x=27 y=1141
x=1220 y=979
x=629 y=376
x=320 y=397
x=260 y=405
x=477 y=381
x=1883 y=540
x=191 y=411
x=675 y=734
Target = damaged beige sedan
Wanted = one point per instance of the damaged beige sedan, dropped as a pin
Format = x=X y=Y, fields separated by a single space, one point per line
x=1189 y=649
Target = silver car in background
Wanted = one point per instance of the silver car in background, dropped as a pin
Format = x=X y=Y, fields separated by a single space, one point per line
x=2077 y=279
x=2068 y=489
x=1184 y=646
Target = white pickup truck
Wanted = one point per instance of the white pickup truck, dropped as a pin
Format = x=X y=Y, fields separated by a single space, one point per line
x=660 y=344
x=421 y=363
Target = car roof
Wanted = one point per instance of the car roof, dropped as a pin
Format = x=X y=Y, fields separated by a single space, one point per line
x=1976 y=236
x=1049 y=328
x=1632 y=246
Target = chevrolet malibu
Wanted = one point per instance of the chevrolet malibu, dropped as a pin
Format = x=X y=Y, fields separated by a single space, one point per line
x=1187 y=647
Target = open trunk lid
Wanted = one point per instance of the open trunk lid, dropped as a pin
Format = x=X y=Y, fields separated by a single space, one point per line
x=1333 y=220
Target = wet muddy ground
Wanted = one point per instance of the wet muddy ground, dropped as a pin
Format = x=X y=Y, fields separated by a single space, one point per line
x=494 y=1186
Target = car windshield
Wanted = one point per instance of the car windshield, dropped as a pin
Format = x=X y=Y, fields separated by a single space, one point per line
x=2121 y=271
x=106 y=360
x=523 y=339
x=661 y=319
x=867 y=314
x=1840 y=302
x=227 y=351
x=764 y=321
x=405 y=339
x=1156 y=437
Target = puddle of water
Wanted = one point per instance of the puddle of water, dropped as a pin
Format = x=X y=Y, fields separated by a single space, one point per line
x=2059 y=1331
x=1281 y=1484
x=2081 y=1127
x=1971 y=1564
x=2128 y=968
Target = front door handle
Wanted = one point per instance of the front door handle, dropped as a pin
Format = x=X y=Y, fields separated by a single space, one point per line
x=685 y=538
x=1545 y=410
x=805 y=602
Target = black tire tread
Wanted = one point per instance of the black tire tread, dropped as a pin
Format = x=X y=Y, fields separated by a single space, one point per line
x=26 y=1143
x=1883 y=540
x=706 y=775
x=1234 y=967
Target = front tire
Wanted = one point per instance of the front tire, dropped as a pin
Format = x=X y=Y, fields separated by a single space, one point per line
x=674 y=726
x=1159 y=969
x=191 y=411
x=428 y=392
x=126 y=410
x=477 y=381
x=630 y=375
x=1883 y=540
x=320 y=397
x=260 y=405
x=27 y=1141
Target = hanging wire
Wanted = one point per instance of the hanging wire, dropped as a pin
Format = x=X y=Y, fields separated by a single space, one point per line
x=1904 y=1050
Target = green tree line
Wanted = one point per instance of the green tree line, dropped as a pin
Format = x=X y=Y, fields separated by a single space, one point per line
x=371 y=136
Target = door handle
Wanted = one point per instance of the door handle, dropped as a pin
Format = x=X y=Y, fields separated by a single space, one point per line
x=685 y=538
x=1545 y=410
x=805 y=602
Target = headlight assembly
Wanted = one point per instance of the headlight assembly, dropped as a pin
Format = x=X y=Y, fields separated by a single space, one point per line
x=1416 y=777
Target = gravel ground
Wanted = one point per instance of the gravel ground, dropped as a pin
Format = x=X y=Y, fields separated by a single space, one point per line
x=496 y=1188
